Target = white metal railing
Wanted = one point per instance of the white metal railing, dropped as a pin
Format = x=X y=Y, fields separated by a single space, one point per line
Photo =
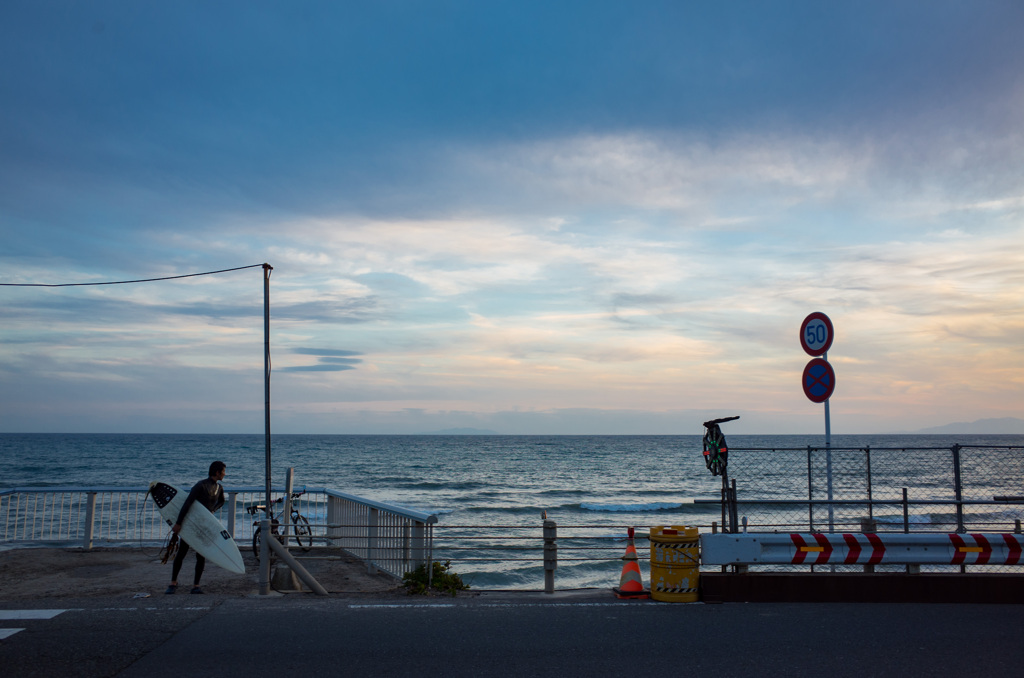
x=82 y=514
x=390 y=539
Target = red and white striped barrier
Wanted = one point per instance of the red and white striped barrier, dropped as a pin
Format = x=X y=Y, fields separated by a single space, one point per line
x=854 y=548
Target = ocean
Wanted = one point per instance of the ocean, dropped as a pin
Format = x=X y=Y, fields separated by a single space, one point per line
x=495 y=480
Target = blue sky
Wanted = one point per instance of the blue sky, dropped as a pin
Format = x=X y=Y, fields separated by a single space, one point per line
x=575 y=217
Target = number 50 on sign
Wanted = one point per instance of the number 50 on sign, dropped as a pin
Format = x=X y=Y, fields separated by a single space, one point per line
x=816 y=334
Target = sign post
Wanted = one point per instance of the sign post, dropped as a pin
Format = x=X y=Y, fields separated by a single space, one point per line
x=819 y=381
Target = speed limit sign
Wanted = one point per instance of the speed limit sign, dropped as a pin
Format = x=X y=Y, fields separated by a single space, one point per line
x=816 y=334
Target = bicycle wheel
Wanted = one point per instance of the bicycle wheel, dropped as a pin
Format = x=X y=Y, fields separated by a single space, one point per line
x=256 y=544
x=303 y=533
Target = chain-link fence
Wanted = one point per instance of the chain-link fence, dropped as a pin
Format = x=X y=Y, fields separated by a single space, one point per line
x=874 y=489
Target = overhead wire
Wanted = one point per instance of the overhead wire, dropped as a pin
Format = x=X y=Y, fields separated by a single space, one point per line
x=127 y=282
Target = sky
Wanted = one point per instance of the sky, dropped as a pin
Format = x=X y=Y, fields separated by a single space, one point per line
x=524 y=217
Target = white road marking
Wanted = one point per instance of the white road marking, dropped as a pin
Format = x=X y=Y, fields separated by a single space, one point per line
x=7 y=615
x=29 y=614
x=552 y=604
x=404 y=606
x=132 y=609
x=470 y=605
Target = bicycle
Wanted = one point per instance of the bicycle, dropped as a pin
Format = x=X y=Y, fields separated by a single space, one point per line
x=300 y=529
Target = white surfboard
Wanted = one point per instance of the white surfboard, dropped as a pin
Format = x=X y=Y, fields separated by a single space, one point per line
x=200 y=529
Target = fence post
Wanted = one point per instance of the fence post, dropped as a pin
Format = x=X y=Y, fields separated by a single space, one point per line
x=406 y=545
x=911 y=569
x=906 y=512
x=418 y=555
x=333 y=518
x=430 y=553
x=733 y=508
x=810 y=491
x=371 y=540
x=550 y=555
x=725 y=501
x=958 y=490
x=871 y=504
x=90 y=519
x=232 y=507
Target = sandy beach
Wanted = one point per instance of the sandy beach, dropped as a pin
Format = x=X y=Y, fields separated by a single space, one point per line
x=48 y=573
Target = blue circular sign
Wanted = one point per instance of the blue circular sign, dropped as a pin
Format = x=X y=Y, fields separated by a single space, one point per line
x=816 y=334
x=819 y=380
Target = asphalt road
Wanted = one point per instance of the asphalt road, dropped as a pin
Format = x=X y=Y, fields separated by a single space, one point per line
x=512 y=635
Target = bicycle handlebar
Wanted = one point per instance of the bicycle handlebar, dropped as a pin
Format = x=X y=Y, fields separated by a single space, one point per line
x=708 y=424
x=251 y=510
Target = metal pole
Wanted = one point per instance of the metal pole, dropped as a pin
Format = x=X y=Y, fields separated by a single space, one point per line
x=906 y=523
x=90 y=520
x=265 y=537
x=295 y=566
x=286 y=512
x=550 y=555
x=958 y=490
x=232 y=509
x=733 y=509
x=871 y=505
x=267 y=268
x=828 y=461
x=810 y=491
x=906 y=512
x=726 y=506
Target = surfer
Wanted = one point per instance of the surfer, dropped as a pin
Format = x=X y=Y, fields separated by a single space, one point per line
x=210 y=494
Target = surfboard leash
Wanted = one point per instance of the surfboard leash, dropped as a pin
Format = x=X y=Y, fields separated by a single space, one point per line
x=170 y=549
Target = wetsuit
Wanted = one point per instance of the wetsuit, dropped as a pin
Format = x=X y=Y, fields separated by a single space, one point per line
x=210 y=494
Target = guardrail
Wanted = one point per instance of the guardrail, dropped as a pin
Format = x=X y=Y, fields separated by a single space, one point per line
x=528 y=557
x=865 y=549
x=959 y=488
x=532 y=557
x=390 y=539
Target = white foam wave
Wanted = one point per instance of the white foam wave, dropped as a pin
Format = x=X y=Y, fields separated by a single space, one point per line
x=911 y=519
x=624 y=508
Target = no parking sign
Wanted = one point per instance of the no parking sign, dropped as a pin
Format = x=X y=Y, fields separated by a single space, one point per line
x=819 y=379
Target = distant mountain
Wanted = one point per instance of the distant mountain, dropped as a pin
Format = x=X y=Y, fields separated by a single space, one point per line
x=1002 y=425
x=462 y=432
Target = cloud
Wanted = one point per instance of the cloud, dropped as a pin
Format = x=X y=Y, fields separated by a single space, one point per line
x=490 y=211
x=328 y=360
x=341 y=353
x=321 y=367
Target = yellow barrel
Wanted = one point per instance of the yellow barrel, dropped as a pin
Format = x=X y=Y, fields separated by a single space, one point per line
x=675 y=563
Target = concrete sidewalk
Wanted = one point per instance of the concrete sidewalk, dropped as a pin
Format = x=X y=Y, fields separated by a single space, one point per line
x=127 y=572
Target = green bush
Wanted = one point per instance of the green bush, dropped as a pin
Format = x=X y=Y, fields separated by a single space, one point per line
x=443 y=580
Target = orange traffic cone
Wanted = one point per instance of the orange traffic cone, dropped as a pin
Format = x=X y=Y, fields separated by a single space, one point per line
x=631 y=584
